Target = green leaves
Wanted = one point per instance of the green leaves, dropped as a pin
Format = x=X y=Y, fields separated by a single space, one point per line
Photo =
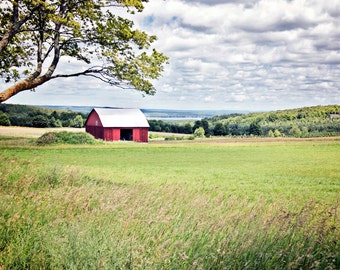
x=133 y=4
x=89 y=31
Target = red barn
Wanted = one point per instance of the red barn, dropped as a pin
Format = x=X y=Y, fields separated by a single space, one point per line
x=117 y=124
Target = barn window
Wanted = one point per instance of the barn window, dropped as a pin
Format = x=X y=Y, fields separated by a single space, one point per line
x=96 y=122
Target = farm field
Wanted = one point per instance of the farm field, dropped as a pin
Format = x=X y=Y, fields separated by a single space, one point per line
x=30 y=132
x=265 y=204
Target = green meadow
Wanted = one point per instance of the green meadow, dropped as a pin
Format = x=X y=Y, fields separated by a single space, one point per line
x=170 y=205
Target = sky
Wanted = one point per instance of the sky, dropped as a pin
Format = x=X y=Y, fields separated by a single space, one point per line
x=254 y=55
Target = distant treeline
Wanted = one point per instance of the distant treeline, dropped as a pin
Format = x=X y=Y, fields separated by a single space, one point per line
x=31 y=116
x=302 y=122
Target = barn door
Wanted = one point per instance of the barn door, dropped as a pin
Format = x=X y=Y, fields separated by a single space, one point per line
x=126 y=135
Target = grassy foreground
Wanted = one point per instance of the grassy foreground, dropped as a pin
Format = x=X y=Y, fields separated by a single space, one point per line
x=259 y=205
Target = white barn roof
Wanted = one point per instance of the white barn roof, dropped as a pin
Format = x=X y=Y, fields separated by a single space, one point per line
x=121 y=117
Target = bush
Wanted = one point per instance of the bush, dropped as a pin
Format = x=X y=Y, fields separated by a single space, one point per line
x=174 y=138
x=78 y=121
x=255 y=129
x=170 y=138
x=66 y=138
x=47 y=138
x=277 y=133
x=4 y=120
x=199 y=132
x=295 y=131
x=220 y=129
x=270 y=133
x=55 y=122
x=40 y=121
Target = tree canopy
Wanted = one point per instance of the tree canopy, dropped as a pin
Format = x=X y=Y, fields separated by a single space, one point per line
x=36 y=34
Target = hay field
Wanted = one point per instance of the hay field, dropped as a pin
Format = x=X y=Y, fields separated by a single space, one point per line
x=28 y=132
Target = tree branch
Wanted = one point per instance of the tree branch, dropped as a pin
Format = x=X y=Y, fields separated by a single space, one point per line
x=83 y=30
x=15 y=25
x=98 y=73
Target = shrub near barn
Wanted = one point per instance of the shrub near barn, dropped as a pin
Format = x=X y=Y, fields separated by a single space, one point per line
x=65 y=138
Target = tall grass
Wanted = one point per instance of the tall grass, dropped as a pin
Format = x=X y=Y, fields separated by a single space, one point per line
x=154 y=213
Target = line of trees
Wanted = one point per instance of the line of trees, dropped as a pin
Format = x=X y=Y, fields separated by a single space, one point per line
x=30 y=116
x=303 y=122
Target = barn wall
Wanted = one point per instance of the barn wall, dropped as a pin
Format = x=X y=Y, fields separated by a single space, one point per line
x=96 y=132
x=93 y=119
x=94 y=125
x=111 y=134
x=107 y=134
x=144 y=137
x=140 y=134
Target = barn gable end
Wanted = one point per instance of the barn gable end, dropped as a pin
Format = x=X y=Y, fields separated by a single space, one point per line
x=117 y=124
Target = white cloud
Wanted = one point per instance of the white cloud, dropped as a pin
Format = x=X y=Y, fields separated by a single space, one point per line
x=233 y=54
x=209 y=99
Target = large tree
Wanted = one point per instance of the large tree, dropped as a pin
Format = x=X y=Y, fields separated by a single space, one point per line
x=36 y=34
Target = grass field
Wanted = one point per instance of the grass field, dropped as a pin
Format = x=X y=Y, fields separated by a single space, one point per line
x=176 y=205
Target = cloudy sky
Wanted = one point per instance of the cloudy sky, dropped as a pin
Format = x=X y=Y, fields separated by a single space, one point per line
x=227 y=54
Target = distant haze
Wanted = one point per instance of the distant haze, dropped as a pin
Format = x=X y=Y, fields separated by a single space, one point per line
x=156 y=113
